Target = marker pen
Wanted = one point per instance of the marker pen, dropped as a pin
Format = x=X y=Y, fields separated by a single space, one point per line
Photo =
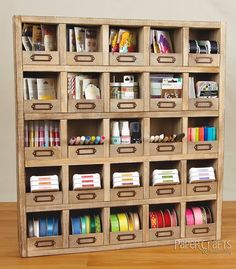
x=72 y=140
x=82 y=139
x=156 y=139
x=152 y=138
x=92 y=140
x=102 y=139
x=161 y=137
x=87 y=140
x=77 y=140
x=97 y=140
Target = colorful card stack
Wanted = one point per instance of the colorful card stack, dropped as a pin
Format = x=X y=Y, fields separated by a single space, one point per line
x=196 y=134
x=126 y=179
x=165 y=176
x=162 y=218
x=86 y=224
x=160 y=41
x=86 y=181
x=44 y=183
x=42 y=134
x=201 y=174
x=124 y=222
x=43 y=226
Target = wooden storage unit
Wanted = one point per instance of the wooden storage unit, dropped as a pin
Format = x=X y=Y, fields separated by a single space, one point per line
x=94 y=117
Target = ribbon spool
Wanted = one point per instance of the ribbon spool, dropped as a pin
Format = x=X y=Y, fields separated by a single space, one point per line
x=162 y=218
x=86 y=224
x=198 y=215
x=124 y=222
x=203 y=46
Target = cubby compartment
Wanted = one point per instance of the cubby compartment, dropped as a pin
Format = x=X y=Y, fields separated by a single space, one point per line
x=126 y=45
x=165 y=136
x=203 y=91
x=86 y=138
x=166 y=91
x=126 y=137
x=200 y=219
x=126 y=92
x=165 y=179
x=43 y=185
x=84 y=45
x=164 y=221
x=40 y=44
x=166 y=46
x=203 y=135
x=85 y=92
x=126 y=225
x=86 y=183
x=204 y=57
x=202 y=182
x=126 y=181
x=86 y=227
x=44 y=231
x=42 y=92
x=42 y=140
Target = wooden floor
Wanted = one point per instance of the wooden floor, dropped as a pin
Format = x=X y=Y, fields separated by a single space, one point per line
x=159 y=257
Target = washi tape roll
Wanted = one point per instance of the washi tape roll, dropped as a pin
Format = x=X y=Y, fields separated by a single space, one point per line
x=114 y=223
x=189 y=217
x=42 y=226
x=123 y=222
x=197 y=213
x=83 y=225
x=98 y=225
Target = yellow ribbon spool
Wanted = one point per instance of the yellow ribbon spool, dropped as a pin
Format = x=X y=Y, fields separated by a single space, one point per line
x=123 y=221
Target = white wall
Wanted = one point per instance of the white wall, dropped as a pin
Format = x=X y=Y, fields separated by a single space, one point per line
x=201 y=10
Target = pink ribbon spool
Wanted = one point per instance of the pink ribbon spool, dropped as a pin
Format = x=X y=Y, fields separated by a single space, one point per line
x=189 y=217
x=197 y=215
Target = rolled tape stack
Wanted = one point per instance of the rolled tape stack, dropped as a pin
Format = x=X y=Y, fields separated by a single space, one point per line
x=165 y=176
x=44 y=183
x=198 y=215
x=124 y=222
x=162 y=218
x=201 y=174
x=86 y=181
x=43 y=226
x=126 y=179
x=86 y=224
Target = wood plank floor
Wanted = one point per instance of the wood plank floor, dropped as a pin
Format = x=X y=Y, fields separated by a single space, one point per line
x=155 y=257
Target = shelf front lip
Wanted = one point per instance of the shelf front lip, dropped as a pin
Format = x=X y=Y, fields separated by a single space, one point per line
x=167 y=200
x=117 y=247
x=110 y=69
x=144 y=158
x=119 y=22
x=113 y=115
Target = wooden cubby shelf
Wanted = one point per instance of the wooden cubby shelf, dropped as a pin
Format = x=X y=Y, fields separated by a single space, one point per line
x=69 y=114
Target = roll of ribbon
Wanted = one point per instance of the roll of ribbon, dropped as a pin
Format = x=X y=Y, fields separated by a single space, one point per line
x=50 y=224
x=189 y=217
x=204 y=215
x=197 y=213
x=56 y=226
x=123 y=222
x=87 y=219
x=160 y=219
x=114 y=223
x=136 y=221
x=209 y=215
x=83 y=225
x=92 y=224
x=130 y=222
x=153 y=220
x=42 y=226
x=30 y=227
x=98 y=225
x=76 y=225
x=174 y=218
x=167 y=218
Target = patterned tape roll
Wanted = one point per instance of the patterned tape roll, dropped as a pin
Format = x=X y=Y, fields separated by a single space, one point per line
x=114 y=223
x=98 y=225
x=76 y=225
x=50 y=225
x=189 y=217
x=87 y=218
x=197 y=213
x=83 y=225
x=123 y=222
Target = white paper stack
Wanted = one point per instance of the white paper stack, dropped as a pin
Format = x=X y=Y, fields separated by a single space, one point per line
x=86 y=181
x=201 y=174
x=126 y=179
x=165 y=176
x=44 y=183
